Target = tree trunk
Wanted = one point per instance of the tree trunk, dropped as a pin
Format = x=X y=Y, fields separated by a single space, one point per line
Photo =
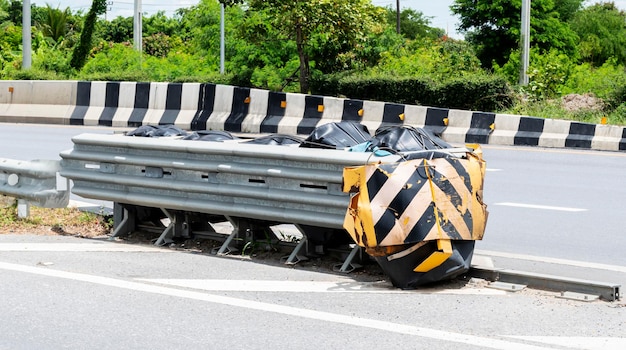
x=304 y=61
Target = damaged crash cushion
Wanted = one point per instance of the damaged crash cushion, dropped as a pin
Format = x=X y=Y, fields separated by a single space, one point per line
x=398 y=205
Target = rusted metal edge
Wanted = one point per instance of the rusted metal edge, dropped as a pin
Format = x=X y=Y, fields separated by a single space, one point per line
x=606 y=291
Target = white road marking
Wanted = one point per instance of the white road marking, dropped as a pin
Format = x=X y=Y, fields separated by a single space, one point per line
x=78 y=247
x=486 y=342
x=494 y=170
x=80 y=204
x=345 y=286
x=587 y=343
x=576 y=263
x=535 y=206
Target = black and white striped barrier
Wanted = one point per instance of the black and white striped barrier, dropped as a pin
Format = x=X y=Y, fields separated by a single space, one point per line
x=202 y=106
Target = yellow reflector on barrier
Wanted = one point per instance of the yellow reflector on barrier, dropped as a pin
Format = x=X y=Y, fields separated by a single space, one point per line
x=320 y=108
x=247 y=100
x=445 y=121
x=401 y=116
x=360 y=112
x=283 y=104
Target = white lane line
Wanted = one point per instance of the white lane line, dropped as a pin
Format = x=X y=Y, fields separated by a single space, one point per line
x=78 y=247
x=79 y=204
x=575 y=263
x=347 y=286
x=587 y=343
x=535 y=206
x=486 y=342
x=493 y=170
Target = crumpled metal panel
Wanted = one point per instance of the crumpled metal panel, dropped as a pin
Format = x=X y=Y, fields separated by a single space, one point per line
x=34 y=181
x=396 y=209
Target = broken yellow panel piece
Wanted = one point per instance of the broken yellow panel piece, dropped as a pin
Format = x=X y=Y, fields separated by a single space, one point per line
x=436 y=258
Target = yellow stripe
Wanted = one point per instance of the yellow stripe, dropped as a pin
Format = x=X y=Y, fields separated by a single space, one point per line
x=450 y=213
x=359 y=216
x=458 y=183
x=432 y=192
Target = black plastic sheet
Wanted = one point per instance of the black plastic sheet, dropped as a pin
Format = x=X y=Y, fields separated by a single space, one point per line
x=337 y=135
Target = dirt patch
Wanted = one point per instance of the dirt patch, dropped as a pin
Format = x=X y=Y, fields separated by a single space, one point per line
x=577 y=102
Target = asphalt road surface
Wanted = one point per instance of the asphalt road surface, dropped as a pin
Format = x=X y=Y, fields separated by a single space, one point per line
x=70 y=293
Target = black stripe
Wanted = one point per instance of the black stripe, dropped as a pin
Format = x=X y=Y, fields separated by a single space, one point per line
x=423 y=226
x=529 y=131
x=206 y=102
x=351 y=110
x=622 y=144
x=111 y=101
x=434 y=120
x=275 y=112
x=83 y=97
x=580 y=135
x=391 y=114
x=454 y=197
x=399 y=204
x=480 y=127
x=311 y=116
x=379 y=177
x=461 y=171
x=142 y=99
x=172 y=103
x=427 y=221
x=385 y=224
x=239 y=110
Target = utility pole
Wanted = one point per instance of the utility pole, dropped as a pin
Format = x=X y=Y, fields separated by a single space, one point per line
x=525 y=33
x=398 y=16
x=26 y=32
x=222 y=54
x=137 y=26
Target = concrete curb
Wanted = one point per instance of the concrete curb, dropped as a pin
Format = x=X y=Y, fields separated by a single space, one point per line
x=200 y=106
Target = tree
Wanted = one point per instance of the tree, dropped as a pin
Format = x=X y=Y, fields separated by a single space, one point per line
x=4 y=13
x=79 y=56
x=413 y=24
x=118 y=30
x=55 y=24
x=493 y=26
x=343 y=23
x=602 y=31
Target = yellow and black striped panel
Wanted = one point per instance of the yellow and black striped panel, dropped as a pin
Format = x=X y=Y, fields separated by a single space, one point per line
x=416 y=200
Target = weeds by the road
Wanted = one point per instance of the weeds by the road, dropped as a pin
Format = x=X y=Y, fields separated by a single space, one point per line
x=64 y=221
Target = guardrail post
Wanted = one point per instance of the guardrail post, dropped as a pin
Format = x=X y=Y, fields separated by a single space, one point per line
x=23 y=209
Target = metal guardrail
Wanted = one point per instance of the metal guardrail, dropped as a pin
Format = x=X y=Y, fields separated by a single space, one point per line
x=607 y=291
x=275 y=183
x=249 y=185
x=34 y=182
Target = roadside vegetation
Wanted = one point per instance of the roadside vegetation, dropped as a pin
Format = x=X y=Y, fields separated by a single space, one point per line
x=347 y=48
x=44 y=221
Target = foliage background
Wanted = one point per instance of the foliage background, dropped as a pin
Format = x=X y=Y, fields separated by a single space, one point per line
x=347 y=48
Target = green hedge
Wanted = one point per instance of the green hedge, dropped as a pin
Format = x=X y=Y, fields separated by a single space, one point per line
x=477 y=93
